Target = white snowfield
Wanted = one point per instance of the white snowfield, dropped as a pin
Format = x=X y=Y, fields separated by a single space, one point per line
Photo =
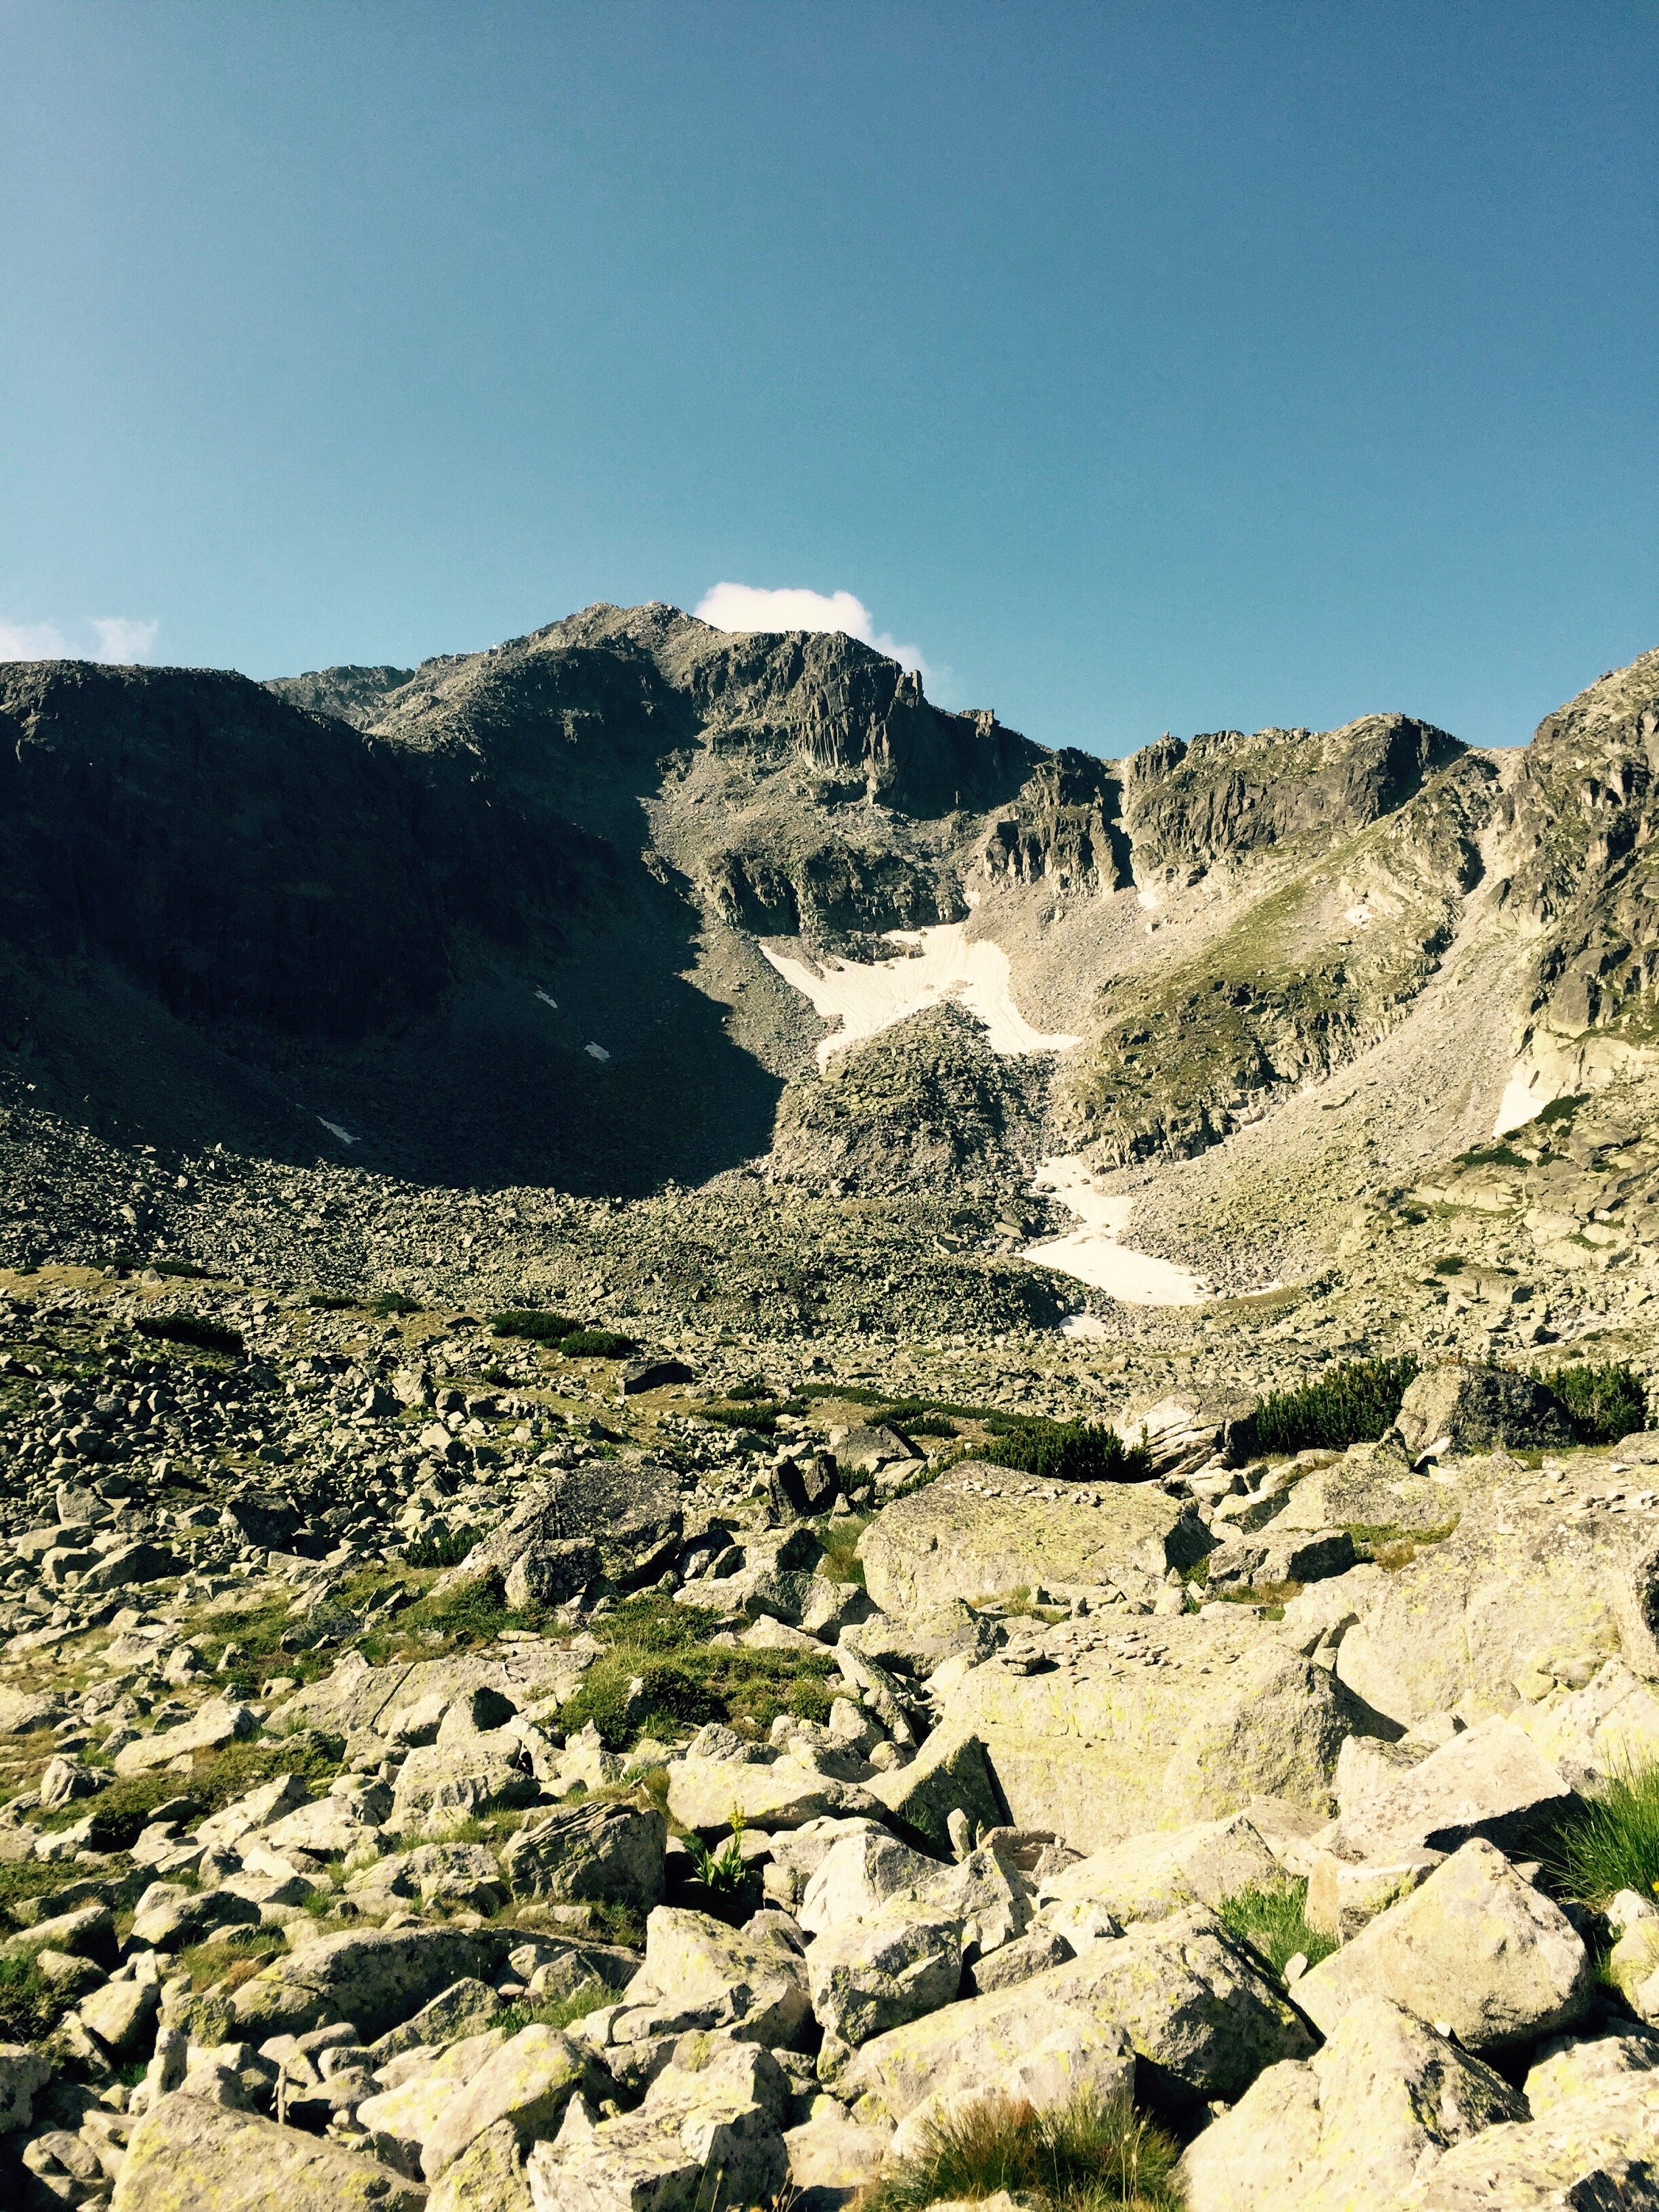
x=1092 y=1253
x=868 y=997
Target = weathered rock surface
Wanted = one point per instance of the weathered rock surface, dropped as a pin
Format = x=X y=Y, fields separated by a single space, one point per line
x=1193 y=2007
x=1150 y=1877
x=1188 y=1721
x=976 y=1532
x=612 y=1849
x=191 y=2153
x=1476 y=1946
x=1350 y=2126
x=374 y=1979
x=1523 y=1593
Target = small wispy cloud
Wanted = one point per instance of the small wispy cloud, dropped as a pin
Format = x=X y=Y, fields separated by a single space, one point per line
x=121 y=638
x=114 y=637
x=745 y=608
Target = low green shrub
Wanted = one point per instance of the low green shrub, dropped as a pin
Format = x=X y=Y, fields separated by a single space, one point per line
x=1069 y=1451
x=447 y=1549
x=1353 y=1404
x=1271 y=1918
x=529 y=1321
x=597 y=1343
x=189 y=1328
x=1604 y=1402
x=685 y=1680
x=1075 y=2157
x=1611 y=1842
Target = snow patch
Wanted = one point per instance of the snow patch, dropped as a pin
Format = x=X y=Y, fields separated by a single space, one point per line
x=334 y=1130
x=868 y=997
x=596 y=1052
x=1084 y=1324
x=1360 y=916
x=546 y=1001
x=1092 y=1253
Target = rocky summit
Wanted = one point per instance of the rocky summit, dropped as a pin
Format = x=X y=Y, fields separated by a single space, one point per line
x=758 y=1448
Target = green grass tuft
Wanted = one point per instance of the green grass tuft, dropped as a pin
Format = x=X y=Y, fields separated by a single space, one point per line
x=686 y=1680
x=1270 y=1918
x=558 y=2012
x=839 y=1540
x=1089 y=2153
x=1612 y=1842
x=1351 y=1405
x=29 y=2006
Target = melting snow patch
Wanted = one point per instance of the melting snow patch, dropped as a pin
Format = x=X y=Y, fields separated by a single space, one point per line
x=546 y=1001
x=868 y=997
x=1083 y=1324
x=596 y=1052
x=1092 y=1253
x=1360 y=916
x=334 y=1130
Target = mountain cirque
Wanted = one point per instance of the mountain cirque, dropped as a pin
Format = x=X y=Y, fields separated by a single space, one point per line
x=376 y=1677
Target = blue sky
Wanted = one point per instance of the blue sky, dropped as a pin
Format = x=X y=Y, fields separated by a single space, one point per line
x=1137 y=367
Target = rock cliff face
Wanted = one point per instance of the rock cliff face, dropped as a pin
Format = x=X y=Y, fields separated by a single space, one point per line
x=500 y=917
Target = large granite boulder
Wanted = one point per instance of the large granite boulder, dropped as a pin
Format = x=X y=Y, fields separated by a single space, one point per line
x=1476 y=1946
x=982 y=1531
x=1178 y=1721
x=1351 y=2125
x=1534 y=1588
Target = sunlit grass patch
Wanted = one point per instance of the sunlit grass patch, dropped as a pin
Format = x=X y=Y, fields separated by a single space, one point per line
x=1091 y=2152
x=1271 y=1918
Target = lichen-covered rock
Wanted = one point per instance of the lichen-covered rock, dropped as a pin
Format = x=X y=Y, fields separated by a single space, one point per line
x=858 y=1875
x=950 y=1774
x=614 y=1851
x=1490 y=1781
x=716 y=2108
x=527 y=2082
x=466 y=2007
x=1568 y=2067
x=211 y=1726
x=869 y=1975
x=1476 y=1946
x=191 y=2154
x=976 y=1533
x=1199 y=1717
x=446 y=1781
x=22 y=2071
x=1348 y=2127
x=1149 y=1877
x=697 y=1964
x=488 y=2175
x=1186 y=2000
x=704 y=1794
x=1599 y=2150
x=1457 y=1408
x=374 y=1978
x=1610 y=1725
x=1522 y=1593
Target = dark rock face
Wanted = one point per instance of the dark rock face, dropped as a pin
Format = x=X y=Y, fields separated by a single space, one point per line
x=1471 y=1409
x=1227 y=793
x=926 y=1103
x=235 y=910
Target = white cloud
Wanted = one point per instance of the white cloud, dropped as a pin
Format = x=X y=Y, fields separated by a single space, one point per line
x=121 y=638
x=747 y=607
x=31 y=642
x=118 y=637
